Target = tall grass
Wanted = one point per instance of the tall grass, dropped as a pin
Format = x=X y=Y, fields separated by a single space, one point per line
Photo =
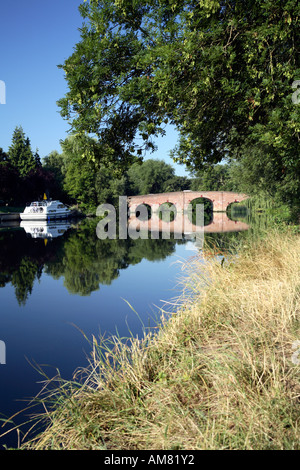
x=218 y=374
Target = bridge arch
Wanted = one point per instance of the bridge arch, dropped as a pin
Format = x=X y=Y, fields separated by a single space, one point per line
x=167 y=211
x=181 y=199
x=143 y=211
x=207 y=205
x=236 y=211
x=206 y=201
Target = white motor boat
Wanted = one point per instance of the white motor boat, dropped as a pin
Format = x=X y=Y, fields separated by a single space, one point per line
x=45 y=210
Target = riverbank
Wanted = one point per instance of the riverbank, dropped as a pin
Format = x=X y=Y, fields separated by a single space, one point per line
x=9 y=215
x=221 y=373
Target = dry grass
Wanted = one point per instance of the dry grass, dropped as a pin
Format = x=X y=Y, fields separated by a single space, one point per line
x=218 y=374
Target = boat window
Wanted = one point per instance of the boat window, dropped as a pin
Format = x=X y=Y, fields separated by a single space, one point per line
x=38 y=204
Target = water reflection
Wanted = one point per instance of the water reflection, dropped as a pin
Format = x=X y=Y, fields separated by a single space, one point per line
x=44 y=229
x=75 y=253
x=219 y=222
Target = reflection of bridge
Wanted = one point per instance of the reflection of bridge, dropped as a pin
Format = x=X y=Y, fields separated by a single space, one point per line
x=181 y=224
x=181 y=199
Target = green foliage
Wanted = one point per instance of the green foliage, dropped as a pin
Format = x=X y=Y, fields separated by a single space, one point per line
x=91 y=183
x=23 y=279
x=109 y=189
x=3 y=156
x=20 y=153
x=150 y=177
x=87 y=182
x=84 y=261
x=262 y=209
x=79 y=175
x=220 y=71
x=214 y=178
x=260 y=170
x=54 y=164
x=22 y=177
x=177 y=183
x=9 y=182
x=20 y=263
x=37 y=159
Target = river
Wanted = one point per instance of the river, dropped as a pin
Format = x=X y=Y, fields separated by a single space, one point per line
x=60 y=284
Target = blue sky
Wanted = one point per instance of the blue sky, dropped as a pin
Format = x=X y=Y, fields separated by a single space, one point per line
x=35 y=37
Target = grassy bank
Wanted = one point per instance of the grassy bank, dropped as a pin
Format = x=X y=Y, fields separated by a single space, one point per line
x=222 y=372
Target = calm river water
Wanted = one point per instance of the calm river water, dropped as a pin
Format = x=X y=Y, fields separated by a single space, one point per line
x=60 y=281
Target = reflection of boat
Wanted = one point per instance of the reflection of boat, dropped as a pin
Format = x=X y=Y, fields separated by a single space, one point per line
x=45 y=210
x=43 y=230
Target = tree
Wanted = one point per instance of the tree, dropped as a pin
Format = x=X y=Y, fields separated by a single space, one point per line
x=108 y=189
x=150 y=176
x=3 y=156
x=37 y=159
x=20 y=153
x=54 y=163
x=220 y=71
x=79 y=175
x=214 y=178
x=177 y=183
x=9 y=183
x=23 y=279
x=37 y=183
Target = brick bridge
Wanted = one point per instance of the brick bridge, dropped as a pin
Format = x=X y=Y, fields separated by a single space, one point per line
x=181 y=199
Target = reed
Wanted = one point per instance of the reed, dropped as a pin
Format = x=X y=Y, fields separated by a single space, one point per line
x=220 y=372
